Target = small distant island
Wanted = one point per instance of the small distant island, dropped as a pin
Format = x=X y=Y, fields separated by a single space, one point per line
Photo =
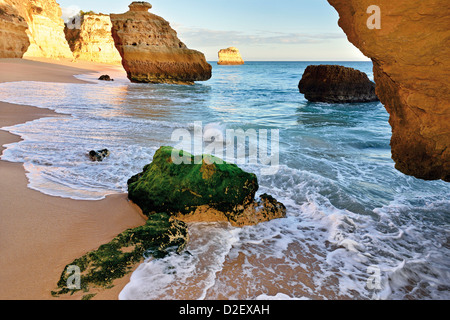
x=230 y=56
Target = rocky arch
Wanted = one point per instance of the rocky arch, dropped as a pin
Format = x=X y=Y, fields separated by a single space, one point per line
x=410 y=54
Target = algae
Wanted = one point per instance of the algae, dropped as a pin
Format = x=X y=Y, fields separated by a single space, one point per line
x=98 y=269
x=164 y=186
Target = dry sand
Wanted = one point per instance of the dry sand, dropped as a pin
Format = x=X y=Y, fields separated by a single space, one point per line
x=40 y=234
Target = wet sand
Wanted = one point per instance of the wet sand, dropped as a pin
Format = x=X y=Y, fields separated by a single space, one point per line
x=41 y=234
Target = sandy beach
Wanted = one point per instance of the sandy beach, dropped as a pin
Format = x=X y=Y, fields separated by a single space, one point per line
x=41 y=234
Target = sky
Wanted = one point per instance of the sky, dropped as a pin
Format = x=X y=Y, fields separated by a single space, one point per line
x=262 y=30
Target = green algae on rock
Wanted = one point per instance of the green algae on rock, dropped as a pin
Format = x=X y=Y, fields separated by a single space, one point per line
x=98 y=269
x=210 y=190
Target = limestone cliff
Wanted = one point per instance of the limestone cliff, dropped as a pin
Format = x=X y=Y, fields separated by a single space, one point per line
x=13 y=37
x=410 y=53
x=230 y=56
x=93 y=41
x=45 y=28
x=151 y=51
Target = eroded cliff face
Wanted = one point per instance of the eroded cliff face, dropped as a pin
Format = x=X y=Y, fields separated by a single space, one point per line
x=151 y=51
x=45 y=28
x=14 y=41
x=93 y=41
x=410 y=53
x=230 y=56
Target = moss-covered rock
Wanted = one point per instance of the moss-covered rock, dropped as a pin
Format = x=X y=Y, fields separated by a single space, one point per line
x=210 y=190
x=99 y=268
x=164 y=186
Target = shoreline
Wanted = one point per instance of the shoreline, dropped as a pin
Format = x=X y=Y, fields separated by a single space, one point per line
x=41 y=234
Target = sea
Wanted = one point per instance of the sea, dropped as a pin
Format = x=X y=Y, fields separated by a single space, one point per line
x=356 y=228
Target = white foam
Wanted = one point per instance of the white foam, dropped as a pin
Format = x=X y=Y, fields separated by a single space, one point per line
x=279 y=296
x=188 y=275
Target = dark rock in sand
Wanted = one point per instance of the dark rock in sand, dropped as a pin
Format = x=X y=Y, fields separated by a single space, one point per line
x=105 y=77
x=208 y=191
x=98 y=155
x=336 y=84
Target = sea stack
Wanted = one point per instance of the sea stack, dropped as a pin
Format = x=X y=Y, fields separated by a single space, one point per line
x=230 y=56
x=151 y=51
x=410 y=52
x=336 y=84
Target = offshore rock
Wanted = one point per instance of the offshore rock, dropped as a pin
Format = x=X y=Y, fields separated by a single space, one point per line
x=93 y=40
x=411 y=70
x=212 y=190
x=230 y=56
x=14 y=40
x=336 y=84
x=151 y=51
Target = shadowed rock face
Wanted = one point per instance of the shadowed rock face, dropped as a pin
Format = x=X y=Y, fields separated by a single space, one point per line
x=411 y=61
x=14 y=41
x=151 y=51
x=336 y=84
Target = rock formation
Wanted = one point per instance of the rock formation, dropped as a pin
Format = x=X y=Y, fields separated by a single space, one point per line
x=113 y=260
x=45 y=28
x=14 y=41
x=336 y=84
x=93 y=41
x=230 y=56
x=99 y=155
x=410 y=54
x=151 y=51
x=207 y=191
x=105 y=77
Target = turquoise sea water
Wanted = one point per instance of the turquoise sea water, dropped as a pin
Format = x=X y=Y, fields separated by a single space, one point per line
x=355 y=226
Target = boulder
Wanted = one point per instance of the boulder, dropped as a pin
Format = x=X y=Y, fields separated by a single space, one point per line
x=410 y=53
x=212 y=190
x=336 y=84
x=105 y=77
x=230 y=56
x=98 y=155
x=151 y=51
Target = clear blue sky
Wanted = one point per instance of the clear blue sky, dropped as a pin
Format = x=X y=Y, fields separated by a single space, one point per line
x=261 y=29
